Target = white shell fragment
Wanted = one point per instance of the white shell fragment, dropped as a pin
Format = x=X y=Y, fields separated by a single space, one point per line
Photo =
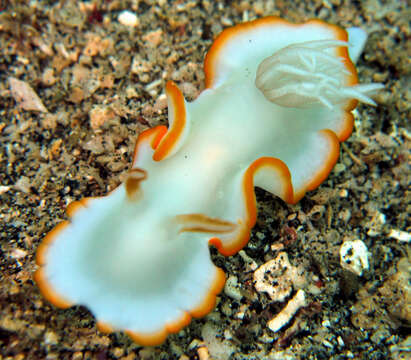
x=286 y=314
x=232 y=288
x=400 y=235
x=25 y=96
x=354 y=256
x=128 y=18
x=277 y=277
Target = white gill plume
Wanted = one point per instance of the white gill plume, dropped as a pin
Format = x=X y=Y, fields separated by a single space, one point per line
x=307 y=74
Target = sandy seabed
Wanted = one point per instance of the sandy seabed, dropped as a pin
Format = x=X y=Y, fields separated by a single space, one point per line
x=102 y=83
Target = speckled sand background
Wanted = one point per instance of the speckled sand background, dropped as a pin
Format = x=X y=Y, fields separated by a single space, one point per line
x=102 y=84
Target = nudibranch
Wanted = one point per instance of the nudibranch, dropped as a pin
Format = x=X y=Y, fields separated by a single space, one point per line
x=277 y=102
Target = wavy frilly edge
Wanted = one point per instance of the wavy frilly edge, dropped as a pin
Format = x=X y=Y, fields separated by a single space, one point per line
x=165 y=141
x=333 y=139
x=151 y=137
x=144 y=339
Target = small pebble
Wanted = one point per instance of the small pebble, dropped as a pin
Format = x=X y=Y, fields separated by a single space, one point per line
x=128 y=18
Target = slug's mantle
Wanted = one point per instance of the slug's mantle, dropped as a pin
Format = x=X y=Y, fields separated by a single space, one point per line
x=277 y=102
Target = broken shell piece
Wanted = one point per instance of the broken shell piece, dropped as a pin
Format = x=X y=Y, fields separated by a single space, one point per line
x=25 y=96
x=354 y=256
x=128 y=18
x=400 y=235
x=286 y=314
x=216 y=344
x=232 y=288
x=277 y=277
